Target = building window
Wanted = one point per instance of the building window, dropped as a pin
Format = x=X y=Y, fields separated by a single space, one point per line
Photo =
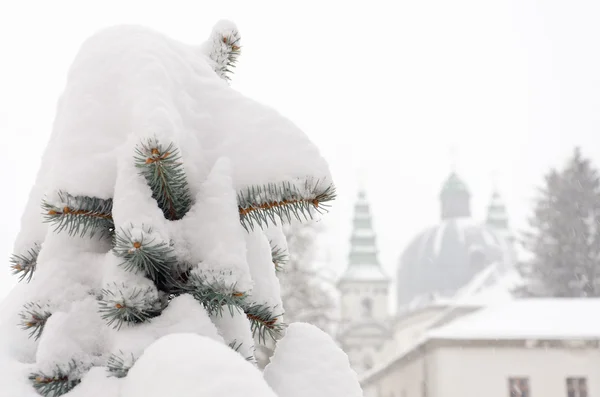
x=577 y=387
x=518 y=387
x=368 y=363
x=367 y=307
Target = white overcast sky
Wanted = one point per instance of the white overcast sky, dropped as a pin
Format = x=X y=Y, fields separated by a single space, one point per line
x=384 y=86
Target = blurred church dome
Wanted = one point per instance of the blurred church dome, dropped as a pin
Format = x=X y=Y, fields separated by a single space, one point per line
x=444 y=258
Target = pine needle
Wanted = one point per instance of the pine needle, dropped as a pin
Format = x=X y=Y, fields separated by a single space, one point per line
x=118 y=365
x=25 y=265
x=120 y=305
x=279 y=257
x=33 y=318
x=56 y=383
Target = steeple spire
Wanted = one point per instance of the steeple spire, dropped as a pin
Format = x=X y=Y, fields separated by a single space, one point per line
x=363 y=250
x=497 y=219
x=362 y=260
x=497 y=215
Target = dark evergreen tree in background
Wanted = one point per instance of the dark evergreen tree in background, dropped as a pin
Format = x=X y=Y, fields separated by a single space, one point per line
x=564 y=234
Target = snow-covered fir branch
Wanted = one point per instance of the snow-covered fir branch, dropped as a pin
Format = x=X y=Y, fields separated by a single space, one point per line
x=33 y=318
x=279 y=256
x=224 y=48
x=24 y=265
x=163 y=170
x=57 y=382
x=143 y=250
x=79 y=215
x=118 y=365
x=273 y=202
x=121 y=304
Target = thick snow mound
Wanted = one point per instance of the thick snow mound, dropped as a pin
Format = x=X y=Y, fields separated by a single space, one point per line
x=69 y=336
x=307 y=362
x=96 y=384
x=212 y=229
x=188 y=365
x=183 y=315
x=14 y=342
x=133 y=81
x=13 y=379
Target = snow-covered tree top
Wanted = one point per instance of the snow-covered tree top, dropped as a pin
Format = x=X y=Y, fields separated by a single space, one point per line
x=129 y=80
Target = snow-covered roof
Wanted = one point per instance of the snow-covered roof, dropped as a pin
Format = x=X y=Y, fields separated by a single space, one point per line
x=364 y=249
x=527 y=319
x=369 y=327
x=491 y=285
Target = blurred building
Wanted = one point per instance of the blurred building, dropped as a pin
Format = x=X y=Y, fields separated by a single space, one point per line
x=457 y=330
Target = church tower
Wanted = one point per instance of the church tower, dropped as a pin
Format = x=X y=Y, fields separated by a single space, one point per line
x=364 y=289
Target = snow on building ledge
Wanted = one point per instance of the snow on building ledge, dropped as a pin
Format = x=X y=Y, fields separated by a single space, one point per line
x=548 y=319
x=364 y=273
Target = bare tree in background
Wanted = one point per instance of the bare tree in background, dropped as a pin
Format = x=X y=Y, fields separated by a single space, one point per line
x=307 y=289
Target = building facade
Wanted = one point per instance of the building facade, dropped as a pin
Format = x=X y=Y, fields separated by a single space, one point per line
x=511 y=349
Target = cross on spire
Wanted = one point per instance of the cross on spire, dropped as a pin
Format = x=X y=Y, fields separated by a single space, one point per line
x=495 y=181
x=453 y=154
x=362 y=178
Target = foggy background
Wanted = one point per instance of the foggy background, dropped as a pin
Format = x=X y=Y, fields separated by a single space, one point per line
x=384 y=88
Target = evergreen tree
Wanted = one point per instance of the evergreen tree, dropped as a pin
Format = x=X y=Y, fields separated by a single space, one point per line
x=160 y=215
x=564 y=235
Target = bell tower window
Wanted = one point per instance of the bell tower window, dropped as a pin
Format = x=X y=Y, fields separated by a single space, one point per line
x=367 y=307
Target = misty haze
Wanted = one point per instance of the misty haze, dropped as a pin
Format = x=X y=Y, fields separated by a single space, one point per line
x=382 y=199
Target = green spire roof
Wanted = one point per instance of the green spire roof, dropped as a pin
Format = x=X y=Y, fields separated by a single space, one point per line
x=363 y=263
x=497 y=215
x=454 y=184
